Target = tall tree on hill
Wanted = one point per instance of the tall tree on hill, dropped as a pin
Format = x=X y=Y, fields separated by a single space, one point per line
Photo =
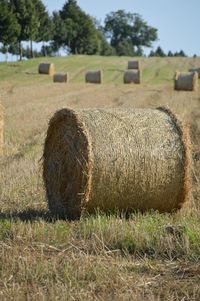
x=9 y=28
x=180 y=53
x=60 y=33
x=82 y=36
x=32 y=23
x=170 y=54
x=104 y=46
x=128 y=32
x=159 y=52
x=45 y=30
x=28 y=20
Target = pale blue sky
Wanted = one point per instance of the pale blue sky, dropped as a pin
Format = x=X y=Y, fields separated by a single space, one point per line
x=178 y=21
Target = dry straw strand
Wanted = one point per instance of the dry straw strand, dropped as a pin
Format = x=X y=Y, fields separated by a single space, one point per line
x=46 y=68
x=115 y=159
x=132 y=77
x=94 y=77
x=1 y=128
x=184 y=134
x=133 y=65
x=60 y=77
x=186 y=81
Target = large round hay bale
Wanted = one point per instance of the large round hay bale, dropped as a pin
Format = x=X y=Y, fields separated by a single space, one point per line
x=133 y=65
x=195 y=70
x=132 y=77
x=46 y=68
x=115 y=159
x=1 y=128
x=186 y=81
x=60 y=77
x=94 y=77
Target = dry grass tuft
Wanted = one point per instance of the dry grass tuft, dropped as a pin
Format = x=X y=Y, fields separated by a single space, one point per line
x=1 y=128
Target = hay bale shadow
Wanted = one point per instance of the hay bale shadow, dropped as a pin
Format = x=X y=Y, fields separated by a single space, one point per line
x=29 y=215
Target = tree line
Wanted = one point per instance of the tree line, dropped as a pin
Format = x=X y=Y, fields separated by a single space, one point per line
x=123 y=33
x=72 y=29
x=159 y=52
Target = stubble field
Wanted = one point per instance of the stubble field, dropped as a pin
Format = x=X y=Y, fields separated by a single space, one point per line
x=145 y=257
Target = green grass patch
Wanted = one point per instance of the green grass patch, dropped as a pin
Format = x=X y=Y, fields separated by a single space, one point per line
x=154 y=70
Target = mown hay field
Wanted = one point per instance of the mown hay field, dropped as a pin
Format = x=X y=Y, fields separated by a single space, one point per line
x=147 y=256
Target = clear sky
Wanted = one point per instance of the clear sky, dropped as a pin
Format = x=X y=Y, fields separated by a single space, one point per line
x=177 y=21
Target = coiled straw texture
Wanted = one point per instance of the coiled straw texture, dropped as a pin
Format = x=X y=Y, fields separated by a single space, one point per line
x=115 y=159
x=46 y=68
x=186 y=81
x=133 y=65
x=132 y=77
x=94 y=77
x=60 y=77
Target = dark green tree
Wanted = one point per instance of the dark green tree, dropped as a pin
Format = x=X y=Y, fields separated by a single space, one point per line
x=124 y=47
x=9 y=27
x=45 y=30
x=151 y=54
x=60 y=34
x=104 y=46
x=129 y=29
x=180 y=53
x=13 y=49
x=159 y=52
x=28 y=20
x=82 y=36
x=32 y=23
x=48 y=51
x=170 y=54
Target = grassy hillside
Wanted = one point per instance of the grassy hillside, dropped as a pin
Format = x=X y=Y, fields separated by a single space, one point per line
x=155 y=70
x=148 y=256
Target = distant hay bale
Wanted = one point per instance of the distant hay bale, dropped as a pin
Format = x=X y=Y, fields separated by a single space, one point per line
x=133 y=65
x=115 y=159
x=186 y=81
x=94 y=77
x=195 y=70
x=1 y=128
x=132 y=76
x=60 y=77
x=46 y=68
